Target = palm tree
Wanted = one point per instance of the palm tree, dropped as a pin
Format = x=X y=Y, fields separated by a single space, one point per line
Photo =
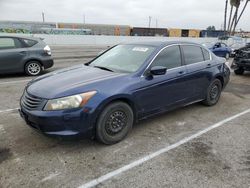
x=233 y=21
x=225 y=17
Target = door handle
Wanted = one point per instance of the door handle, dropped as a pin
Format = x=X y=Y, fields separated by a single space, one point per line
x=209 y=65
x=181 y=72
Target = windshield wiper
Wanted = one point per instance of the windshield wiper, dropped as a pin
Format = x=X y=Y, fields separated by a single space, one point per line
x=104 y=68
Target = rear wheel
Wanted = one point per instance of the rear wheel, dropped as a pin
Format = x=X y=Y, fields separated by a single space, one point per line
x=114 y=123
x=33 y=68
x=239 y=71
x=213 y=93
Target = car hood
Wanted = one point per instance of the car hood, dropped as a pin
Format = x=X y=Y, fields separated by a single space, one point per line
x=68 y=81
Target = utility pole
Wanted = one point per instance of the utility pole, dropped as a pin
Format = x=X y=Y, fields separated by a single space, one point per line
x=149 y=21
x=84 y=18
x=43 y=16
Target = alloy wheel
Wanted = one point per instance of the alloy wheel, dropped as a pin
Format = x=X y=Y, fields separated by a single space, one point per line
x=34 y=68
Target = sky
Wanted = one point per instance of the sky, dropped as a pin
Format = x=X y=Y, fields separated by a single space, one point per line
x=196 y=14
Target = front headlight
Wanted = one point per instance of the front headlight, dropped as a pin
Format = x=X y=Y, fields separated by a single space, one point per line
x=70 y=102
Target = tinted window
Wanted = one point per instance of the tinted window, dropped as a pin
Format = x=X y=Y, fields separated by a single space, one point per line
x=206 y=54
x=7 y=43
x=29 y=42
x=169 y=57
x=192 y=54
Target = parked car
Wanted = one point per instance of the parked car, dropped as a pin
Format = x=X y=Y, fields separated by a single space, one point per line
x=220 y=49
x=241 y=61
x=125 y=84
x=24 y=54
x=238 y=46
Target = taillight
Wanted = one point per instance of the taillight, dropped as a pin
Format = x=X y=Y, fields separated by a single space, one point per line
x=47 y=50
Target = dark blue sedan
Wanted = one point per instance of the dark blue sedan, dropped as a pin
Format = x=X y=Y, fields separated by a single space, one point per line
x=127 y=83
x=220 y=49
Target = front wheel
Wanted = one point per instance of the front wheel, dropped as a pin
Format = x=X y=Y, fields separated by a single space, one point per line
x=213 y=93
x=114 y=123
x=33 y=68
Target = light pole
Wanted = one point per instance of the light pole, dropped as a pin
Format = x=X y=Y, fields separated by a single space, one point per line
x=84 y=18
x=43 y=16
x=149 y=21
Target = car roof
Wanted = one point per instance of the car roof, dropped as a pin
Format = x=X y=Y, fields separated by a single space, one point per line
x=20 y=37
x=160 y=43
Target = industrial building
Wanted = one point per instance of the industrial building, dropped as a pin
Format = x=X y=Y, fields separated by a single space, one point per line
x=143 y=31
x=29 y=27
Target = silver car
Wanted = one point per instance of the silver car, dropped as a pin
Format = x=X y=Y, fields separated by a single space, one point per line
x=24 y=54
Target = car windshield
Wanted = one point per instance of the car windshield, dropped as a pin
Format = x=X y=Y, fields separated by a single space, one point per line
x=123 y=58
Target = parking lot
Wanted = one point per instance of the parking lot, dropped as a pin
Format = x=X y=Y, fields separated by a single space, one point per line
x=195 y=146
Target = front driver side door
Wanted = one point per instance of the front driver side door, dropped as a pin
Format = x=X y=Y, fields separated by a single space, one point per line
x=160 y=93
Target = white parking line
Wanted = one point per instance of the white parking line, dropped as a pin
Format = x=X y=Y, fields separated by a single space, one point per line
x=8 y=110
x=138 y=162
x=14 y=82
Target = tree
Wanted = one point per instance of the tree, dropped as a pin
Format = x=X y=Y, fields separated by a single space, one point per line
x=235 y=17
x=211 y=28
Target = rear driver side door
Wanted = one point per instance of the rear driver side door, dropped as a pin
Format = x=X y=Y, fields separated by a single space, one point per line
x=198 y=62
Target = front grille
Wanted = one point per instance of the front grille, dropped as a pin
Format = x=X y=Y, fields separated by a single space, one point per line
x=30 y=102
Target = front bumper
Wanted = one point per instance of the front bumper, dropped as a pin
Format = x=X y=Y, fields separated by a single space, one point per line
x=59 y=123
x=245 y=64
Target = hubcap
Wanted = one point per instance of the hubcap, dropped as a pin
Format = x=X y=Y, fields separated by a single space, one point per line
x=214 y=92
x=34 y=68
x=116 y=122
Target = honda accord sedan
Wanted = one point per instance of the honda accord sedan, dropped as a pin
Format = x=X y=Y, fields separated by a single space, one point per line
x=24 y=54
x=127 y=83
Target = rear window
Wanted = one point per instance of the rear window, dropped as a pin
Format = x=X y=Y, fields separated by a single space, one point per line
x=29 y=43
x=192 y=54
x=206 y=54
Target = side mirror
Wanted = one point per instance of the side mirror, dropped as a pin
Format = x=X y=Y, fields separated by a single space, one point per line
x=158 y=70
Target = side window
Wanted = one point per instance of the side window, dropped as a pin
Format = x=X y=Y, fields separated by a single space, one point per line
x=169 y=58
x=206 y=54
x=18 y=43
x=192 y=54
x=223 y=45
x=29 y=43
x=8 y=43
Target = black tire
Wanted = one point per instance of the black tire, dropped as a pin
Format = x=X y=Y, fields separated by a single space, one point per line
x=213 y=93
x=33 y=68
x=114 y=123
x=239 y=71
